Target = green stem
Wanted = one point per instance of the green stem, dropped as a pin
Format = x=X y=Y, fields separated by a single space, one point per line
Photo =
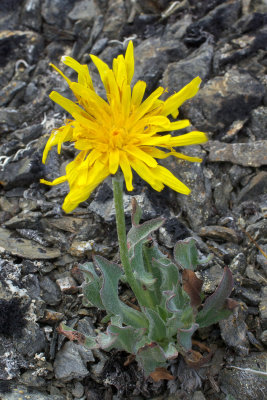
x=117 y=181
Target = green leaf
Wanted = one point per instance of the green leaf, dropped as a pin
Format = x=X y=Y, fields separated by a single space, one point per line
x=169 y=273
x=184 y=337
x=92 y=285
x=177 y=299
x=109 y=294
x=185 y=254
x=157 y=329
x=126 y=337
x=138 y=233
x=136 y=212
x=215 y=307
x=150 y=357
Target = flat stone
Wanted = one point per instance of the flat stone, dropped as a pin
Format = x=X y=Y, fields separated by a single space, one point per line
x=25 y=248
x=252 y=154
x=243 y=384
x=220 y=233
x=257 y=125
x=65 y=223
x=70 y=363
x=24 y=220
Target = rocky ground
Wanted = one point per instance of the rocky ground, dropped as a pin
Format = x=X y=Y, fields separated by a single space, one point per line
x=40 y=247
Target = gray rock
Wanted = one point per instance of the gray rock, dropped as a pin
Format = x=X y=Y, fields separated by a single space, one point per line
x=256 y=187
x=243 y=384
x=263 y=308
x=221 y=194
x=50 y=291
x=198 y=205
x=236 y=173
x=258 y=123
x=11 y=119
x=30 y=380
x=23 y=169
x=24 y=393
x=25 y=248
x=32 y=340
x=70 y=362
x=115 y=18
x=31 y=14
x=238 y=264
x=223 y=100
x=25 y=45
x=252 y=154
x=84 y=9
x=220 y=20
x=10 y=360
x=56 y=11
x=78 y=390
x=152 y=55
x=198 y=396
x=24 y=220
x=10 y=90
x=234 y=331
x=264 y=337
x=31 y=284
x=106 y=209
x=212 y=278
x=180 y=73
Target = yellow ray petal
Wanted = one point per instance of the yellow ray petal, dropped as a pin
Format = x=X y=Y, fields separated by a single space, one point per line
x=114 y=159
x=146 y=174
x=129 y=61
x=194 y=137
x=169 y=179
x=102 y=67
x=127 y=171
x=96 y=175
x=84 y=77
x=138 y=93
x=141 y=155
x=65 y=103
x=56 y=181
x=65 y=136
x=61 y=73
x=176 y=100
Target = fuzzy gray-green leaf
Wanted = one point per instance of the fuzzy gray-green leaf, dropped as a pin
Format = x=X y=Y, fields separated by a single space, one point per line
x=141 y=232
x=157 y=329
x=185 y=254
x=109 y=294
x=150 y=357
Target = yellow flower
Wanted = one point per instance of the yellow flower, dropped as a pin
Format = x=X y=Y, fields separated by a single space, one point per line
x=121 y=132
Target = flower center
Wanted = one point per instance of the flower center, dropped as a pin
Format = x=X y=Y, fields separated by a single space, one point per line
x=117 y=138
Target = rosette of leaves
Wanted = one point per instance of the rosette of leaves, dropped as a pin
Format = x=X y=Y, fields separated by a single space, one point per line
x=168 y=308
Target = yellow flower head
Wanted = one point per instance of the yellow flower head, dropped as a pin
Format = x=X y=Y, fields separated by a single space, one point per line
x=121 y=132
